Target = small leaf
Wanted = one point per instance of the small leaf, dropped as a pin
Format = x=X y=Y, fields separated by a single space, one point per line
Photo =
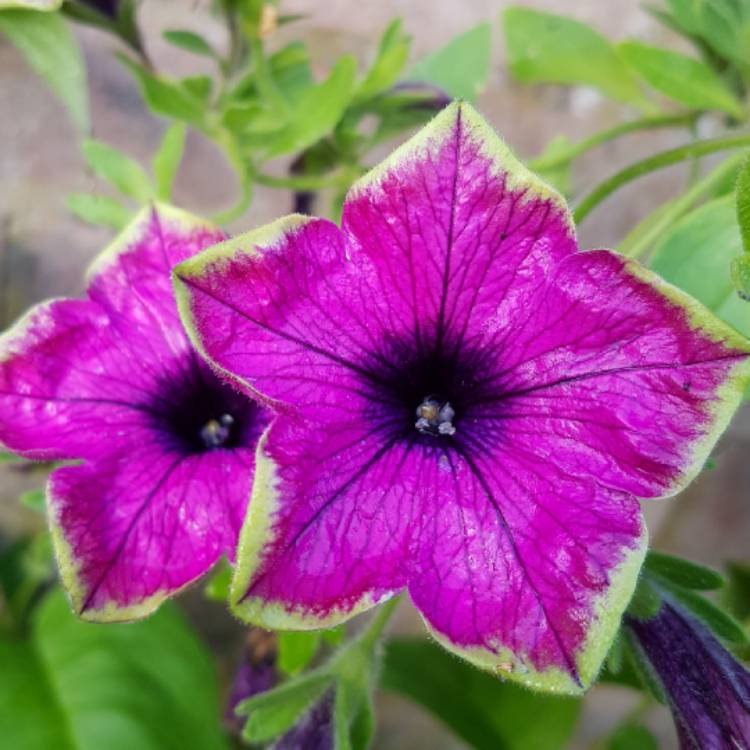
x=695 y=254
x=632 y=737
x=167 y=97
x=742 y=201
x=189 y=41
x=711 y=615
x=51 y=49
x=736 y=596
x=6 y=457
x=33 y=500
x=547 y=48
x=118 y=169
x=76 y=686
x=98 y=210
x=681 y=78
x=480 y=709
x=391 y=58
x=296 y=650
x=646 y=600
x=275 y=711
x=318 y=110
x=167 y=160
x=461 y=67
x=684 y=573
x=199 y=87
x=217 y=585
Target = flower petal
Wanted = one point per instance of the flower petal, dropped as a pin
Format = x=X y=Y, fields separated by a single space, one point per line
x=327 y=533
x=614 y=375
x=454 y=223
x=65 y=378
x=129 y=532
x=525 y=570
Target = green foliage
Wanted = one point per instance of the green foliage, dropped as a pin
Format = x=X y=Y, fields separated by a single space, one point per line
x=76 y=686
x=52 y=51
x=547 y=48
x=483 y=711
x=388 y=64
x=318 y=110
x=646 y=599
x=98 y=210
x=742 y=202
x=632 y=737
x=33 y=500
x=296 y=650
x=736 y=595
x=689 y=575
x=168 y=98
x=712 y=615
x=695 y=255
x=167 y=160
x=190 y=42
x=681 y=78
x=119 y=170
x=43 y=5
x=274 y=712
x=461 y=67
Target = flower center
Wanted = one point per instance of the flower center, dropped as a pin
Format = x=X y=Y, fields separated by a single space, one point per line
x=216 y=432
x=195 y=412
x=435 y=417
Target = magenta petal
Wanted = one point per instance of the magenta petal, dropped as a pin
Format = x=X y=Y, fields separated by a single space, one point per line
x=167 y=448
x=131 y=531
x=470 y=406
x=328 y=529
x=63 y=379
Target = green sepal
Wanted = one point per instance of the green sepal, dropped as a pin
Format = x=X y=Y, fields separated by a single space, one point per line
x=646 y=600
x=689 y=575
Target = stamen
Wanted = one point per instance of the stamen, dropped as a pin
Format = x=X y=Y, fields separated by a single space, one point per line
x=435 y=418
x=217 y=431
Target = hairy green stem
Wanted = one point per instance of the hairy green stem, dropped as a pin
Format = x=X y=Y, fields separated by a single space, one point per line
x=645 y=123
x=380 y=619
x=652 y=164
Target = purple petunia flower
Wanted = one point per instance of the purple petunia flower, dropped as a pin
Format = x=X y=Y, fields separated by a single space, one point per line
x=707 y=688
x=167 y=449
x=469 y=406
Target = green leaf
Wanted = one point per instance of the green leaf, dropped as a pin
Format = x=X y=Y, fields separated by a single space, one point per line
x=167 y=97
x=296 y=650
x=646 y=600
x=736 y=596
x=547 y=48
x=681 y=78
x=98 y=210
x=318 y=110
x=76 y=686
x=739 y=272
x=712 y=615
x=189 y=41
x=290 y=70
x=6 y=457
x=33 y=500
x=43 y=5
x=461 y=67
x=48 y=44
x=167 y=160
x=559 y=176
x=632 y=737
x=217 y=585
x=391 y=58
x=695 y=255
x=742 y=202
x=118 y=169
x=483 y=711
x=276 y=710
x=684 y=573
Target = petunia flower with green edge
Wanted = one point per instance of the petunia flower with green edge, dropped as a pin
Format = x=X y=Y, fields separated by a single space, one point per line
x=166 y=448
x=469 y=406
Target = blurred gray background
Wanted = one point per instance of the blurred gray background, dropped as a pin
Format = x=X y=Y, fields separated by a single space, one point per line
x=43 y=250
